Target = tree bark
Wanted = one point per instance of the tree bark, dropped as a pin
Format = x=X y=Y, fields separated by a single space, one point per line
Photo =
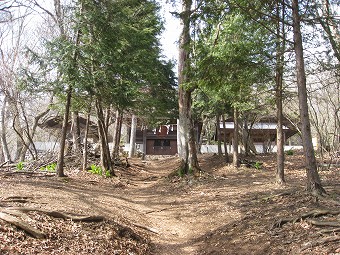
x=218 y=134
x=30 y=133
x=193 y=160
x=245 y=135
x=226 y=156
x=69 y=91
x=25 y=145
x=13 y=106
x=186 y=142
x=236 y=160
x=116 y=135
x=313 y=179
x=75 y=130
x=280 y=47
x=105 y=159
x=85 y=150
x=132 y=150
x=7 y=155
x=60 y=160
x=144 y=142
x=202 y=134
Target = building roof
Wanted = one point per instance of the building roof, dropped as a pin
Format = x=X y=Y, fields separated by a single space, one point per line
x=55 y=123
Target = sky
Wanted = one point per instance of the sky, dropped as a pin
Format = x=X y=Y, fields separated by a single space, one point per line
x=170 y=36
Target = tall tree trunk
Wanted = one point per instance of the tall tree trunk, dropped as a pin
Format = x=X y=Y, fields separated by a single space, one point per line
x=117 y=135
x=132 y=150
x=186 y=142
x=200 y=140
x=144 y=142
x=204 y=125
x=17 y=128
x=245 y=136
x=226 y=156
x=75 y=130
x=7 y=155
x=193 y=160
x=236 y=160
x=30 y=133
x=85 y=149
x=60 y=161
x=105 y=159
x=280 y=48
x=69 y=91
x=313 y=179
x=218 y=134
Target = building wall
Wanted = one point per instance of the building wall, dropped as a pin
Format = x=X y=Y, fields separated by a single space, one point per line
x=158 y=147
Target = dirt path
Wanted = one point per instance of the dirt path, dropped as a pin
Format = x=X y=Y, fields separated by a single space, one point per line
x=226 y=211
x=177 y=213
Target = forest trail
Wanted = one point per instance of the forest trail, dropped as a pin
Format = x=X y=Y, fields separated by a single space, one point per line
x=224 y=211
x=179 y=213
x=176 y=215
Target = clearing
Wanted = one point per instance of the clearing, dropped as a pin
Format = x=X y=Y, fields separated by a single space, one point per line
x=148 y=210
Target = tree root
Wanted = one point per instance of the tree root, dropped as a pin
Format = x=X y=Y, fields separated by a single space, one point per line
x=8 y=215
x=56 y=214
x=326 y=231
x=146 y=228
x=282 y=194
x=324 y=223
x=312 y=214
x=17 y=199
x=320 y=242
x=22 y=225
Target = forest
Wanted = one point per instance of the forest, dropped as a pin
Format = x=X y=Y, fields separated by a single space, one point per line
x=109 y=146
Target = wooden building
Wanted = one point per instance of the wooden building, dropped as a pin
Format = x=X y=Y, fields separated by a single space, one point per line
x=261 y=132
x=158 y=141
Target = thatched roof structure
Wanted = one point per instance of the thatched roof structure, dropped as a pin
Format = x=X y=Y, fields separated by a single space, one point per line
x=54 y=125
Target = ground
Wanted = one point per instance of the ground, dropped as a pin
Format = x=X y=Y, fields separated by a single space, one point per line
x=148 y=209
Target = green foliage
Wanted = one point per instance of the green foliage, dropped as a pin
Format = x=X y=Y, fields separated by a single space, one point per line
x=108 y=174
x=290 y=152
x=96 y=170
x=20 y=166
x=117 y=58
x=181 y=172
x=231 y=60
x=49 y=168
x=99 y=171
x=122 y=42
x=258 y=165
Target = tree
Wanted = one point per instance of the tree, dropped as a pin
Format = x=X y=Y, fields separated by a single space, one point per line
x=19 y=113
x=231 y=61
x=313 y=179
x=108 y=51
x=119 y=41
x=4 y=143
x=330 y=23
x=186 y=139
x=280 y=50
x=72 y=80
x=132 y=149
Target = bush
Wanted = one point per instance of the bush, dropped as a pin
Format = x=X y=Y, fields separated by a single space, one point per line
x=96 y=170
x=107 y=174
x=290 y=152
x=20 y=166
x=49 y=168
x=258 y=165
